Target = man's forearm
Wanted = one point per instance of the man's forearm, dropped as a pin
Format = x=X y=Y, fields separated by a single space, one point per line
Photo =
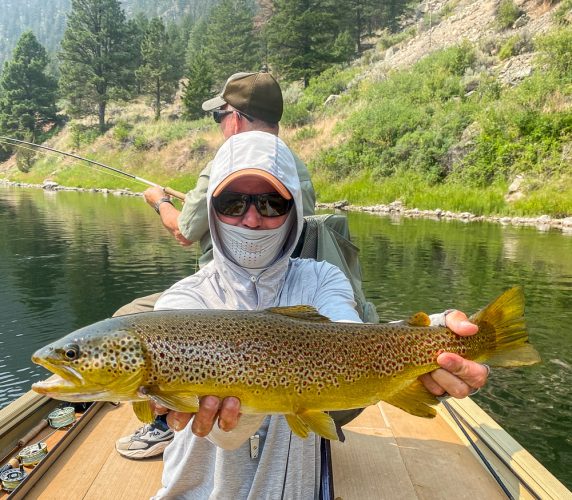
x=170 y=219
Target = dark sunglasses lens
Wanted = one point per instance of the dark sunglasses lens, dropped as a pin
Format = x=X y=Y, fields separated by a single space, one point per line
x=231 y=204
x=218 y=115
x=272 y=205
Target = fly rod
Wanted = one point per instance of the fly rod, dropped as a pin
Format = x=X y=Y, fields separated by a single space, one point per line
x=168 y=190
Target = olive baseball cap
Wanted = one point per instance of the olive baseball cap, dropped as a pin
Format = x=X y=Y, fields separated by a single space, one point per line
x=255 y=94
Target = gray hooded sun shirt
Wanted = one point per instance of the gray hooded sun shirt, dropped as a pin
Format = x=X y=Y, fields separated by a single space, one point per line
x=220 y=466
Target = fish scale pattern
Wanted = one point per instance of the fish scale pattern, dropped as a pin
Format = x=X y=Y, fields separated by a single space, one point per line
x=262 y=351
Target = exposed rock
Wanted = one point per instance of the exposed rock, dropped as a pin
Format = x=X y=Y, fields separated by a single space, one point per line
x=521 y=21
x=515 y=189
x=341 y=204
x=516 y=184
x=49 y=185
x=331 y=99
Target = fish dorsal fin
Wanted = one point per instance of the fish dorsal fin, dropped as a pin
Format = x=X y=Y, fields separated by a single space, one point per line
x=419 y=319
x=414 y=399
x=305 y=313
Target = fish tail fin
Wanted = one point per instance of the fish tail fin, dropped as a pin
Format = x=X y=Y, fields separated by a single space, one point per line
x=503 y=319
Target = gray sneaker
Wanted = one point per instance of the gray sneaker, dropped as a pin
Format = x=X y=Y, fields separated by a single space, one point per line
x=148 y=441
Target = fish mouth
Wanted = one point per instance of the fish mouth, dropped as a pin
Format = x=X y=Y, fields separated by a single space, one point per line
x=66 y=383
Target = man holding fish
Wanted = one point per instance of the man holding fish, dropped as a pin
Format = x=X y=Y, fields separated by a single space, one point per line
x=255 y=219
x=257 y=347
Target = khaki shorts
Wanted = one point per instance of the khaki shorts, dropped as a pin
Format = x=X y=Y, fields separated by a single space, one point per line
x=141 y=304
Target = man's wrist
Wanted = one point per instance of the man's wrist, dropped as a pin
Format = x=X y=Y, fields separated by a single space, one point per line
x=157 y=204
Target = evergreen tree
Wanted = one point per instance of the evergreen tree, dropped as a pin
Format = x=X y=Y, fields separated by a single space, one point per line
x=231 y=44
x=96 y=63
x=198 y=86
x=178 y=34
x=159 y=75
x=27 y=93
x=137 y=28
x=197 y=42
x=301 y=36
x=358 y=18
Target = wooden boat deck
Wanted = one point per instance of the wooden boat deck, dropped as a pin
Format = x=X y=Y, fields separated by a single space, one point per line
x=391 y=455
x=388 y=454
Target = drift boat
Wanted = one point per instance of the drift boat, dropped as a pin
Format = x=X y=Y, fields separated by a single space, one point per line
x=388 y=454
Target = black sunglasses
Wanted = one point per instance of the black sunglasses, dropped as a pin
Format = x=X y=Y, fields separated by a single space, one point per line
x=219 y=114
x=236 y=204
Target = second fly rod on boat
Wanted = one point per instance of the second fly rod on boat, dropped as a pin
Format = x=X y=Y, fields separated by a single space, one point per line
x=32 y=146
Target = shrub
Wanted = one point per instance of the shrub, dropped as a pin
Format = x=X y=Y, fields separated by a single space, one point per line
x=556 y=53
x=295 y=115
x=507 y=13
x=517 y=44
x=305 y=133
x=334 y=80
x=82 y=135
x=563 y=14
x=121 y=131
x=390 y=39
x=140 y=143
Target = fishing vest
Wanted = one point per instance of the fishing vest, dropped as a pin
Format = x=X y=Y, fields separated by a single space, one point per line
x=327 y=238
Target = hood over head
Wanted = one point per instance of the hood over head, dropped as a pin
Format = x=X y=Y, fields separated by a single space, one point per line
x=266 y=155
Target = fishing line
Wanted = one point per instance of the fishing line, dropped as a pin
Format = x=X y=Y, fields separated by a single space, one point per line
x=167 y=190
x=458 y=419
x=64 y=160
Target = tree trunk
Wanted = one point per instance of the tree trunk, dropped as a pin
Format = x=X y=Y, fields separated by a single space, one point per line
x=101 y=114
x=158 y=100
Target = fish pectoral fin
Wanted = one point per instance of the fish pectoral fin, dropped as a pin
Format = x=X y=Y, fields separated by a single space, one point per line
x=178 y=401
x=143 y=411
x=414 y=399
x=419 y=319
x=316 y=421
x=304 y=313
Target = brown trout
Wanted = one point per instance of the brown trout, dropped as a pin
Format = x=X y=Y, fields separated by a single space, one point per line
x=283 y=360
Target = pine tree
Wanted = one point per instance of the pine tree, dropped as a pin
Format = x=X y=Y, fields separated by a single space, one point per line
x=159 y=75
x=198 y=86
x=28 y=94
x=95 y=58
x=137 y=28
x=301 y=36
x=231 y=44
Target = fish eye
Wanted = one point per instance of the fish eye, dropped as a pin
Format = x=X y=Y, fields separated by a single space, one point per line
x=71 y=351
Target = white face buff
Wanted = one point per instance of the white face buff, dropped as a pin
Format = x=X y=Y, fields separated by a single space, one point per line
x=254 y=248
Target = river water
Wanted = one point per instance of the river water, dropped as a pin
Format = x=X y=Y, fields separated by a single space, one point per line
x=69 y=259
